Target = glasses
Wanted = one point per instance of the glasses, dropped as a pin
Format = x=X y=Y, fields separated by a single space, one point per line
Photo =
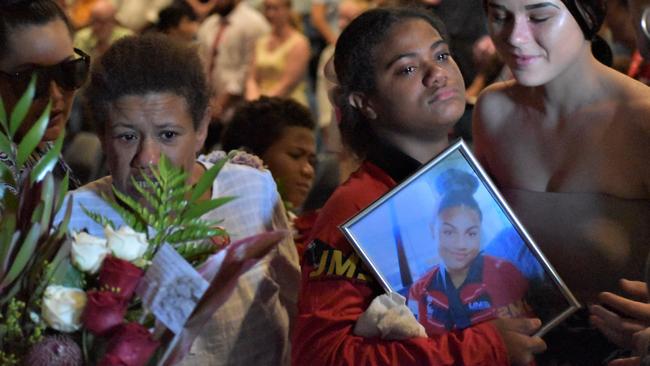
x=69 y=75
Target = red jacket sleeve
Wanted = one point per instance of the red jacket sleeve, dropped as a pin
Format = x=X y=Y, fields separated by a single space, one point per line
x=336 y=291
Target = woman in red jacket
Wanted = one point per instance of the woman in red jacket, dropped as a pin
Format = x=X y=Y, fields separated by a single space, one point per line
x=400 y=92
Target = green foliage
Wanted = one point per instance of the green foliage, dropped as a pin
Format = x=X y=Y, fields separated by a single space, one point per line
x=29 y=199
x=8 y=359
x=22 y=107
x=169 y=210
x=101 y=220
x=11 y=324
x=14 y=336
x=33 y=137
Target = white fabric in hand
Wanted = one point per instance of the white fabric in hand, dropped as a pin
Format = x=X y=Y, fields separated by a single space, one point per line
x=389 y=318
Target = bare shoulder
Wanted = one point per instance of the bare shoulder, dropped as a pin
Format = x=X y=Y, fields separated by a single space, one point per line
x=494 y=105
x=639 y=110
x=301 y=43
x=634 y=103
x=301 y=38
x=494 y=109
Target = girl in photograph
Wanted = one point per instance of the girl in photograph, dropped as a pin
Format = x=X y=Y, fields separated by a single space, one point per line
x=400 y=92
x=567 y=142
x=468 y=286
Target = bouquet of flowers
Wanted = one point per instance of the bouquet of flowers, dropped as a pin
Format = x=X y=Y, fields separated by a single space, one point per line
x=28 y=239
x=131 y=298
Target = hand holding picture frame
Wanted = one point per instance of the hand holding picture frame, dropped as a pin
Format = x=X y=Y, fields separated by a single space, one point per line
x=447 y=241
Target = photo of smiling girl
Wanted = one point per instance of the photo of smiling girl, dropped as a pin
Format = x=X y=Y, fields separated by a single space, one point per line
x=467 y=286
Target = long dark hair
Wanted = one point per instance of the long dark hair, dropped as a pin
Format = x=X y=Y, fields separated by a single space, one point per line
x=590 y=15
x=21 y=13
x=354 y=62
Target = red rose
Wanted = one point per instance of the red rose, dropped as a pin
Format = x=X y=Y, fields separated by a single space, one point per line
x=131 y=345
x=111 y=360
x=119 y=275
x=104 y=311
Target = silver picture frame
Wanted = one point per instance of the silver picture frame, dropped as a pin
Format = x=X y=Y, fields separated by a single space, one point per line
x=403 y=239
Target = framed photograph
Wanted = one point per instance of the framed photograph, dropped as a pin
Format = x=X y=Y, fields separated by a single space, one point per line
x=447 y=241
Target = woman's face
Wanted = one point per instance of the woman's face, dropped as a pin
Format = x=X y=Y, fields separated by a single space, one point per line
x=419 y=89
x=141 y=128
x=36 y=46
x=277 y=12
x=459 y=237
x=291 y=160
x=538 y=39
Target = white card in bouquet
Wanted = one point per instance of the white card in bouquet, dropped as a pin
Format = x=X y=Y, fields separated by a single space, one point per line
x=171 y=288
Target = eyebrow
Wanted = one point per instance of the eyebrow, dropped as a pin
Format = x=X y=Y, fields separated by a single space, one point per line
x=433 y=46
x=527 y=7
x=468 y=229
x=161 y=126
x=122 y=125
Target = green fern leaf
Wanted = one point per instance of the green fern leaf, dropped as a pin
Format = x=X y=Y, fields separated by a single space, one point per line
x=193 y=250
x=98 y=218
x=199 y=209
x=130 y=217
x=206 y=180
x=151 y=199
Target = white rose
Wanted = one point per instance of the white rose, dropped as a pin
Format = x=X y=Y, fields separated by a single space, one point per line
x=88 y=252
x=62 y=307
x=126 y=243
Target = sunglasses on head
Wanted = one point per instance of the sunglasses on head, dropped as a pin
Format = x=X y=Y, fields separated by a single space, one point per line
x=69 y=75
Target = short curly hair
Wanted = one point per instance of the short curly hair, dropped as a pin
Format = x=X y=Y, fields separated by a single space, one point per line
x=139 y=65
x=256 y=125
x=355 y=64
x=22 y=13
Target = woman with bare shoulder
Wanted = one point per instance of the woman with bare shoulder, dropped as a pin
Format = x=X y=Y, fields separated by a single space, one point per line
x=567 y=141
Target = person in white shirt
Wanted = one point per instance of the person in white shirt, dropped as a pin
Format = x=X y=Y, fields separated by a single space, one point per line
x=226 y=42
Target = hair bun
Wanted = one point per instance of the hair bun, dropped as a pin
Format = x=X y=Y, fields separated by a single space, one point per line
x=456 y=180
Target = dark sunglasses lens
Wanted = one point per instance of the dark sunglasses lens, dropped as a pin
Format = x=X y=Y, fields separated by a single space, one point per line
x=71 y=75
x=20 y=82
x=43 y=80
